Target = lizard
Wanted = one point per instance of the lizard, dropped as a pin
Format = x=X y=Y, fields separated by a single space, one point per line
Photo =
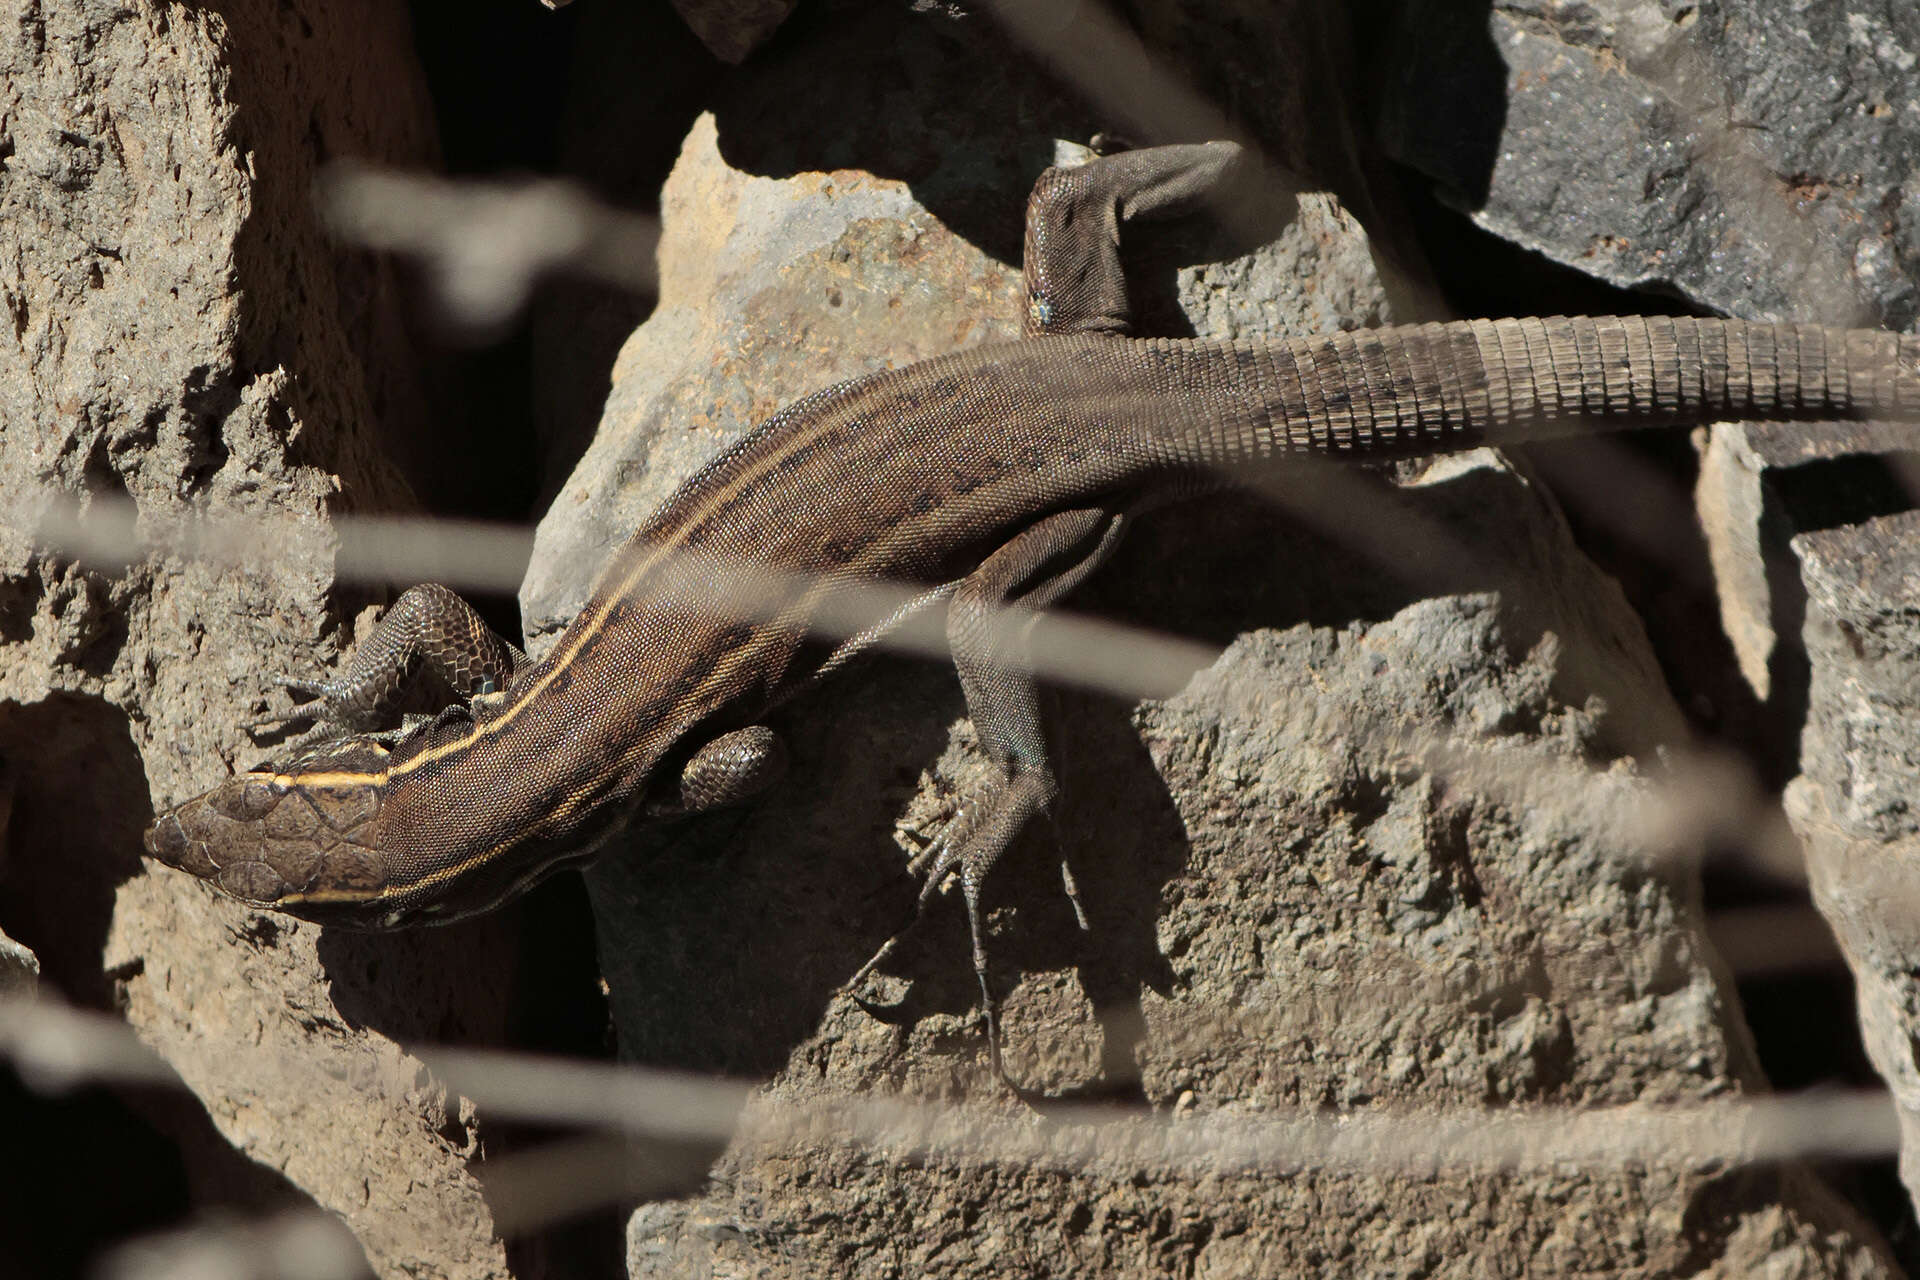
x=991 y=479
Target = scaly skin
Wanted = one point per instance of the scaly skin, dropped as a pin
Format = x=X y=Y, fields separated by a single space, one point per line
x=994 y=477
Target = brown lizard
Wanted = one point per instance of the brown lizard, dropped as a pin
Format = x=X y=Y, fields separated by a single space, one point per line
x=991 y=478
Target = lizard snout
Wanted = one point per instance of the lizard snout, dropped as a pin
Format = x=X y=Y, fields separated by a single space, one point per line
x=266 y=837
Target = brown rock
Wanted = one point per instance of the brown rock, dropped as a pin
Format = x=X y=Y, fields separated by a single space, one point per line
x=184 y=338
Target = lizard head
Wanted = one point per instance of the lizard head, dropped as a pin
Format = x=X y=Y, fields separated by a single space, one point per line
x=298 y=835
x=372 y=832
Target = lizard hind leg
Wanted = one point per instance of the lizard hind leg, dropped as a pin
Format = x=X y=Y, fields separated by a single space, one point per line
x=989 y=624
x=1074 y=282
x=731 y=768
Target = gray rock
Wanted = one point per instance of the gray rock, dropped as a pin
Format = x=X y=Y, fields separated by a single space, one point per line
x=1759 y=160
x=1759 y=485
x=1292 y=905
x=1852 y=805
x=19 y=970
x=1750 y=157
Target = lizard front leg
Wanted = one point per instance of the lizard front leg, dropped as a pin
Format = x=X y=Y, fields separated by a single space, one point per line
x=1074 y=285
x=430 y=632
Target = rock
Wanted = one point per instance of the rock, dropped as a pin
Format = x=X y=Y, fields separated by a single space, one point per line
x=1852 y=803
x=19 y=970
x=732 y=29
x=1289 y=912
x=1756 y=160
x=1750 y=158
x=185 y=339
x=823 y=311
x=1291 y=907
x=1759 y=485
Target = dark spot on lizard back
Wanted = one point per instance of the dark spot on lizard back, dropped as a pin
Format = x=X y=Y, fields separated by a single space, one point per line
x=836 y=551
x=968 y=481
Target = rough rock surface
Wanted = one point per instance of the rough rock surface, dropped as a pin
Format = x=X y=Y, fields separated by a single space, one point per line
x=1287 y=912
x=19 y=970
x=1756 y=159
x=183 y=337
x=1301 y=920
x=740 y=331
x=1759 y=485
x=1852 y=804
x=1751 y=157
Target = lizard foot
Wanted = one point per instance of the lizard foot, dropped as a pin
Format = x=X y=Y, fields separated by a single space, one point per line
x=968 y=847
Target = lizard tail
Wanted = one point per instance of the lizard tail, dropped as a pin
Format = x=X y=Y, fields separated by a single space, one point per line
x=1437 y=387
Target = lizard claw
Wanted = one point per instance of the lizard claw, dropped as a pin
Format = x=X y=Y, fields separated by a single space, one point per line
x=932 y=864
x=936 y=855
x=319 y=689
x=969 y=846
